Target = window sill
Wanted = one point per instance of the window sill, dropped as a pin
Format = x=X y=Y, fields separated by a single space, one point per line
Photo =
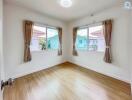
x=48 y=50
x=90 y=51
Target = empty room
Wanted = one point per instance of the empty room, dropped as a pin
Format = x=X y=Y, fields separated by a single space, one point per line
x=66 y=49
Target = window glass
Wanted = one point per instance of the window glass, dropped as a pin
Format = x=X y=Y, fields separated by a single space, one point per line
x=96 y=40
x=91 y=39
x=44 y=38
x=52 y=39
x=82 y=39
x=38 y=41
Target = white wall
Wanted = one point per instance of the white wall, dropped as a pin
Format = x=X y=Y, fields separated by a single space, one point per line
x=130 y=44
x=1 y=45
x=14 y=42
x=1 y=41
x=94 y=60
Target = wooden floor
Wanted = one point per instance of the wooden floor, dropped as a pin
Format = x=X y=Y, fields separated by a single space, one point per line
x=67 y=82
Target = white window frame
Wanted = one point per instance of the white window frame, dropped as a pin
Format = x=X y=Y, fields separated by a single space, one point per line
x=45 y=26
x=87 y=27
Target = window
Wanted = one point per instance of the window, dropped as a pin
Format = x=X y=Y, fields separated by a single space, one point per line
x=91 y=39
x=52 y=39
x=96 y=39
x=44 y=38
x=82 y=39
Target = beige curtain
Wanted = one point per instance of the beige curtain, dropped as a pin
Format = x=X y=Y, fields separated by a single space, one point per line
x=28 y=28
x=74 y=42
x=60 y=41
x=107 y=34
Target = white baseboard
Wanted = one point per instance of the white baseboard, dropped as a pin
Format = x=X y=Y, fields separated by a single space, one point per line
x=33 y=71
x=107 y=74
x=82 y=65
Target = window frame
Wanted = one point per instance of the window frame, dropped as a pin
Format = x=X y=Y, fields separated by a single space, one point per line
x=88 y=27
x=46 y=27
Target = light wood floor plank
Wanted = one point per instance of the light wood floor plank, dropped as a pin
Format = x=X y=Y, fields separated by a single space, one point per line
x=67 y=82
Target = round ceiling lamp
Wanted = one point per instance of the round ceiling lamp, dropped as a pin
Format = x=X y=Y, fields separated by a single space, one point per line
x=66 y=3
x=128 y=4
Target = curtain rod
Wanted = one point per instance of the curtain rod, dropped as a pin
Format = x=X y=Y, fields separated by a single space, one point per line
x=46 y=25
x=92 y=23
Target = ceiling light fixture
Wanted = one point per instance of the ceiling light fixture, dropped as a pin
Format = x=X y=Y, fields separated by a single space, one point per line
x=66 y=3
x=128 y=5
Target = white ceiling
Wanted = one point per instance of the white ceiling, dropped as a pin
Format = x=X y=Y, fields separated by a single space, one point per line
x=79 y=9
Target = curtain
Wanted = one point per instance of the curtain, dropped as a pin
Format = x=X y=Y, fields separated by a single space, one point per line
x=74 y=41
x=107 y=34
x=60 y=41
x=28 y=28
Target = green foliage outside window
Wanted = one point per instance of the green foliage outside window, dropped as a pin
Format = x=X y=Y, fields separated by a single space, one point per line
x=42 y=43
